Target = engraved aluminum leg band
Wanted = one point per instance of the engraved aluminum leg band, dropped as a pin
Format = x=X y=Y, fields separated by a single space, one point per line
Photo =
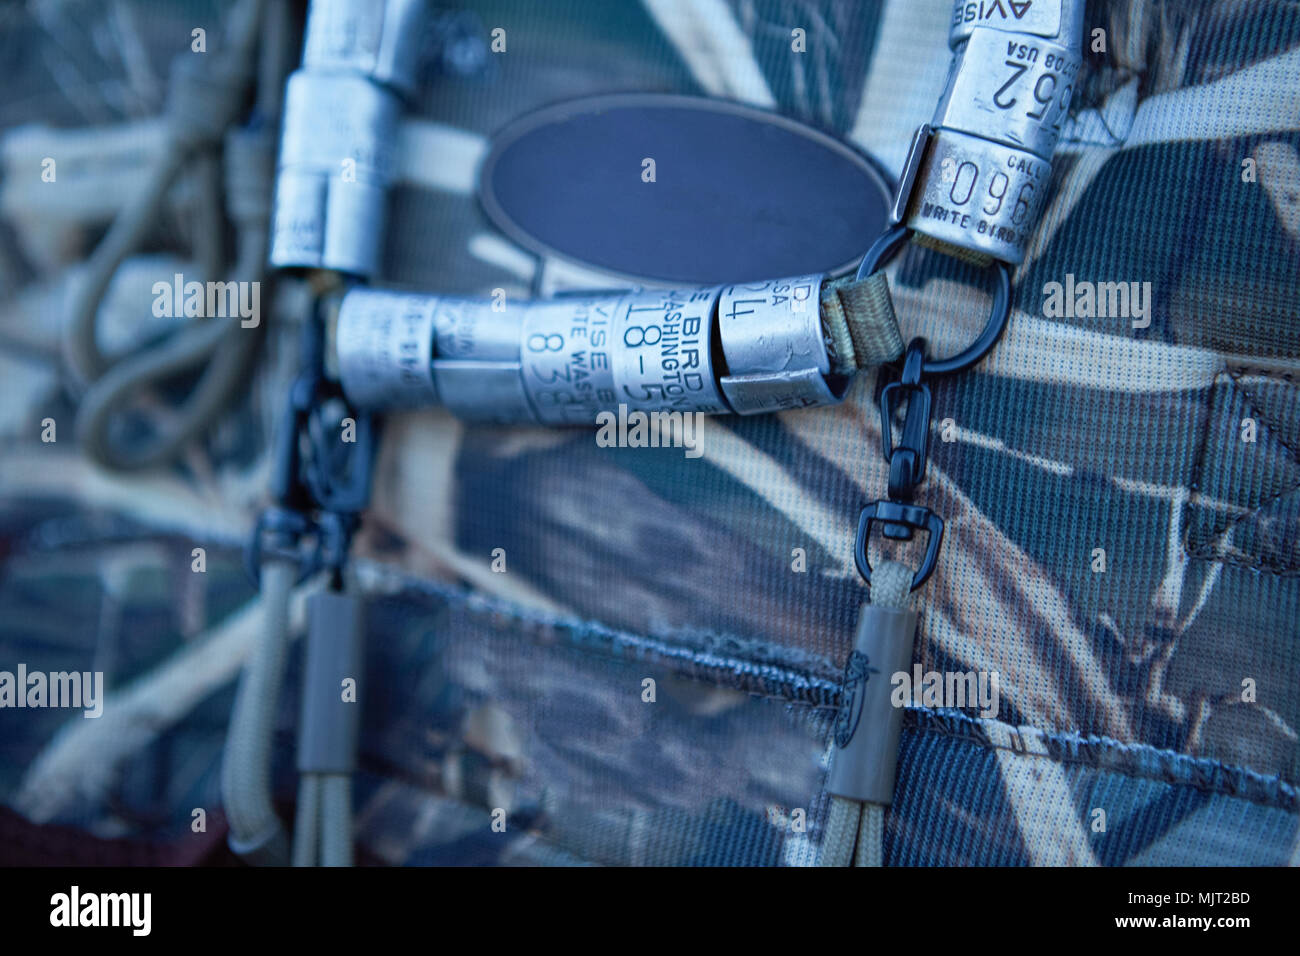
x=1061 y=20
x=340 y=132
x=1011 y=89
x=979 y=195
x=336 y=162
x=378 y=39
x=747 y=348
x=977 y=176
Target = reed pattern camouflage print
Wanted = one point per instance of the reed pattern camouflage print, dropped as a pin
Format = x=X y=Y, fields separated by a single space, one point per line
x=1163 y=690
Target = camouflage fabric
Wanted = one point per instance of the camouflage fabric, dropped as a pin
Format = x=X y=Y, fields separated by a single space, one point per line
x=1122 y=508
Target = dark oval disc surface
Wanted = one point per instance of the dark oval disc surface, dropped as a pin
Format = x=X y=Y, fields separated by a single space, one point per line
x=738 y=193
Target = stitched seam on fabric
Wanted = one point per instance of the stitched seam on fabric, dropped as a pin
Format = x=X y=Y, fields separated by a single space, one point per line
x=800 y=678
x=800 y=689
x=1267 y=420
x=1241 y=371
x=1112 y=756
x=1203 y=551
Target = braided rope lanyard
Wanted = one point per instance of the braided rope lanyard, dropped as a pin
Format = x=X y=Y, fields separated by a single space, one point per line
x=973 y=187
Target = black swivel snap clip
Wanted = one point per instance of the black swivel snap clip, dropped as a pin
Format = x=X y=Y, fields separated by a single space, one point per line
x=907 y=459
x=322 y=469
x=900 y=521
x=899 y=518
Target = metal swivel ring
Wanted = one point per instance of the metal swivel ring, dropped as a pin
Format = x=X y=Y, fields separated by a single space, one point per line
x=884 y=248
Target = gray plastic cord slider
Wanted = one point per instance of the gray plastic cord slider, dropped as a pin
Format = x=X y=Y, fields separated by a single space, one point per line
x=868 y=726
x=330 y=725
